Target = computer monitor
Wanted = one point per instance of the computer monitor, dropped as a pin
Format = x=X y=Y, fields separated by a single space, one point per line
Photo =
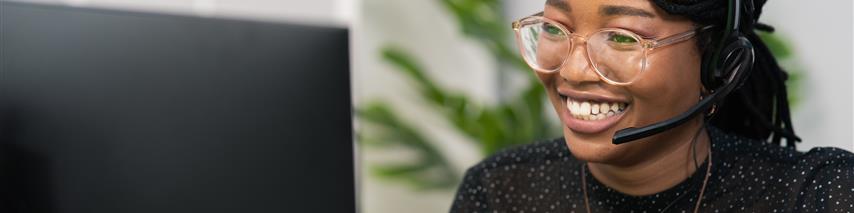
x=105 y=111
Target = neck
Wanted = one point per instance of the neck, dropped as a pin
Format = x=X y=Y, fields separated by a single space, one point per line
x=657 y=172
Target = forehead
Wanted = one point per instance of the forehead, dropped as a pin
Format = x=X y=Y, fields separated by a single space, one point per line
x=607 y=8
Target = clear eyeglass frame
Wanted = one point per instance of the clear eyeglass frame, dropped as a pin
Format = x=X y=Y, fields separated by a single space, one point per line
x=647 y=45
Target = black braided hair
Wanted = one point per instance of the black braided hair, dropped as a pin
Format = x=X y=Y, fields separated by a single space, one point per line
x=760 y=108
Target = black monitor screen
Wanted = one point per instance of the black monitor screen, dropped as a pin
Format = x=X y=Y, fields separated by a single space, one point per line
x=107 y=111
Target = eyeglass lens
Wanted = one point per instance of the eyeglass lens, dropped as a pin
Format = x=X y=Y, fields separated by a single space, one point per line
x=616 y=55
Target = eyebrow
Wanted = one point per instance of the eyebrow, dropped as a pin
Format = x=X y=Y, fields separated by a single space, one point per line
x=613 y=10
x=560 y=4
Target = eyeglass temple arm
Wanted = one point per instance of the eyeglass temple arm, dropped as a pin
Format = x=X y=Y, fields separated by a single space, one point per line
x=516 y=24
x=678 y=37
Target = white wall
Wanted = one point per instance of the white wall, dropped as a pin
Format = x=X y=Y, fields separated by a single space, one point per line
x=321 y=12
x=821 y=35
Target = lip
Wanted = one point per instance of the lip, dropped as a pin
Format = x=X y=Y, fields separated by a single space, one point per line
x=589 y=126
x=588 y=96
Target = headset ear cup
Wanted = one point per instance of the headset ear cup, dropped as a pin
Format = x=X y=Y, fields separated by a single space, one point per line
x=737 y=62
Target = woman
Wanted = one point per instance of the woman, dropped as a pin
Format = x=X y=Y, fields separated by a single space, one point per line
x=611 y=65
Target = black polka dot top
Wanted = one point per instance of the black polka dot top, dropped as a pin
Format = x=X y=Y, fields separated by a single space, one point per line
x=747 y=176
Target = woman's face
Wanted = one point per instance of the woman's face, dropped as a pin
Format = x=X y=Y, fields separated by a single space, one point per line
x=669 y=85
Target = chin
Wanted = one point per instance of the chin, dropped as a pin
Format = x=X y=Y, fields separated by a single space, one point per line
x=594 y=148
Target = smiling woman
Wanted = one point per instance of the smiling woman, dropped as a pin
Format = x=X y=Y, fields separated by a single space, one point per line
x=667 y=106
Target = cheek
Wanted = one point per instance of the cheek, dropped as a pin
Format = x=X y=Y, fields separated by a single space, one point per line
x=670 y=85
x=549 y=81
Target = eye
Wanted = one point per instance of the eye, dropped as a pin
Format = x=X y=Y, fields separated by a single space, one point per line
x=552 y=30
x=621 y=38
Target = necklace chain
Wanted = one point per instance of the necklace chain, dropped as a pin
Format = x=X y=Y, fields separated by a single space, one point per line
x=699 y=198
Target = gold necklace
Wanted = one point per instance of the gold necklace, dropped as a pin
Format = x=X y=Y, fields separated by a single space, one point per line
x=699 y=199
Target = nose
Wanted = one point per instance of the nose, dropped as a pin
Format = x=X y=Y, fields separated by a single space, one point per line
x=577 y=69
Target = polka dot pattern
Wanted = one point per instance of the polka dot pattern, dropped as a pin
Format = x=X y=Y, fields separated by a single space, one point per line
x=747 y=176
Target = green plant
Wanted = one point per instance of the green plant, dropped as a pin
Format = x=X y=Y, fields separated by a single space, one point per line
x=516 y=121
x=785 y=56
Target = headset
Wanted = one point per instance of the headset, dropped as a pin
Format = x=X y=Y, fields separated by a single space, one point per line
x=724 y=68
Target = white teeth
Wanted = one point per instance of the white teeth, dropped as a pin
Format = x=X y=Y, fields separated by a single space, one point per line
x=585 y=110
x=571 y=105
x=603 y=107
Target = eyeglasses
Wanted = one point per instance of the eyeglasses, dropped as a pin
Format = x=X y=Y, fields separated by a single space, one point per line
x=618 y=56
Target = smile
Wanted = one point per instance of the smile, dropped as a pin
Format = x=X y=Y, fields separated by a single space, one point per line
x=587 y=110
x=592 y=114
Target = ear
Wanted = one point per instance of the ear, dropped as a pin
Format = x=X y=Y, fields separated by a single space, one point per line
x=703 y=90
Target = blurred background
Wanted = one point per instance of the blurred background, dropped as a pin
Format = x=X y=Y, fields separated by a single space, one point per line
x=437 y=84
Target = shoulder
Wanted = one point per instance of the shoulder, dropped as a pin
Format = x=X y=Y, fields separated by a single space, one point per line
x=813 y=160
x=831 y=157
x=828 y=175
x=746 y=150
x=820 y=178
x=533 y=155
x=514 y=173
